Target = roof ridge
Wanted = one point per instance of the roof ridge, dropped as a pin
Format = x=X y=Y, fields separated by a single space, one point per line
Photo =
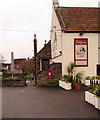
x=78 y=7
x=59 y=11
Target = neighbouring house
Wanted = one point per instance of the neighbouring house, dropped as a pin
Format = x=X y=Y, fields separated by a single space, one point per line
x=45 y=71
x=18 y=64
x=5 y=67
x=75 y=37
x=43 y=57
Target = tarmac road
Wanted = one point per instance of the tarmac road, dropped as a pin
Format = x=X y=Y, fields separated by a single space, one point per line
x=45 y=102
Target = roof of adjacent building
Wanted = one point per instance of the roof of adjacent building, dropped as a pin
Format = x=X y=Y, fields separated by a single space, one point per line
x=19 y=61
x=45 y=52
x=5 y=64
x=78 y=18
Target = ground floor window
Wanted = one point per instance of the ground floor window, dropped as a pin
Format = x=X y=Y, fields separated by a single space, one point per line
x=45 y=63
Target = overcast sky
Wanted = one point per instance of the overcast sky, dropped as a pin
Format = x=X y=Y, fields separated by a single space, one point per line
x=21 y=19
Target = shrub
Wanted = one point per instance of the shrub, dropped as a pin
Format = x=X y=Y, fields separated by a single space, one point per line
x=28 y=77
x=98 y=77
x=95 y=89
x=93 y=77
x=7 y=85
x=88 y=78
x=66 y=78
x=51 y=84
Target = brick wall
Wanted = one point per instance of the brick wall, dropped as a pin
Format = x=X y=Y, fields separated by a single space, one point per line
x=56 y=68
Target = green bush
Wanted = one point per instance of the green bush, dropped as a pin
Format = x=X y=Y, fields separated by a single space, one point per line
x=7 y=85
x=88 y=78
x=66 y=78
x=28 y=77
x=93 y=77
x=51 y=84
x=98 y=77
x=95 y=89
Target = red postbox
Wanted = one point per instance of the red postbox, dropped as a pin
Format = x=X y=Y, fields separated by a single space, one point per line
x=49 y=74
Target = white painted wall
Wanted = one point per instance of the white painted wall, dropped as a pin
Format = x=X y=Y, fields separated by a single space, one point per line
x=68 y=52
x=55 y=45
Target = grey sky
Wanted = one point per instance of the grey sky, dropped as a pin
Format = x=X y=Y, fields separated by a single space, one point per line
x=21 y=19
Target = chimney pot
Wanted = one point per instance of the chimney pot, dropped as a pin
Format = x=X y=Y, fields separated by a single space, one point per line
x=34 y=36
x=55 y=3
x=45 y=43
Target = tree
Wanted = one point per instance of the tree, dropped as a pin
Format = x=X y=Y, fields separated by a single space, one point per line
x=2 y=60
x=28 y=67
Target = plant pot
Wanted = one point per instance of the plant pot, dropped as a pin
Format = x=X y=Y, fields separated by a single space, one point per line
x=87 y=82
x=66 y=86
x=97 y=102
x=77 y=86
x=90 y=97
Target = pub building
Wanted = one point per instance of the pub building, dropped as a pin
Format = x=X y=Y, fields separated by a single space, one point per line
x=75 y=37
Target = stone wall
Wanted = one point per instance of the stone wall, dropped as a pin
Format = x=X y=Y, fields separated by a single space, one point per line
x=14 y=83
x=42 y=76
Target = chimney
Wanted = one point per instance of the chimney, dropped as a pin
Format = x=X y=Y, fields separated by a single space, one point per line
x=35 y=45
x=56 y=3
x=45 y=43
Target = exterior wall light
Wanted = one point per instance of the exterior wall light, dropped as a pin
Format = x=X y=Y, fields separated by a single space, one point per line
x=60 y=52
x=81 y=33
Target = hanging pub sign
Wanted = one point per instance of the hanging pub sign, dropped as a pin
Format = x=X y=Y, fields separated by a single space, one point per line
x=81 y=52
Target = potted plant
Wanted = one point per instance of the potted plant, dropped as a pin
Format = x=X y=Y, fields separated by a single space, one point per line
x=93 y=95
x=93 y=80
x=78 y=79
x=97 y=97
x=65 y=82
x=98 y=80
x=88 y=79
x=89 y=95
x=70 y=71
x=69 y=78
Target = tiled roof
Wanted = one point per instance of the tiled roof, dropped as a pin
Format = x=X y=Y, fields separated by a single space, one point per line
x=19 y=61
x=45 y=52
x=78 y=18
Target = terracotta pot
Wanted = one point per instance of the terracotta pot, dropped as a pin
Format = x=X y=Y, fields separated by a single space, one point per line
x=77 y=86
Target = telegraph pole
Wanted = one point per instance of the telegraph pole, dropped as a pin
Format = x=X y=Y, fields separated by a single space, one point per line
x=35 y=54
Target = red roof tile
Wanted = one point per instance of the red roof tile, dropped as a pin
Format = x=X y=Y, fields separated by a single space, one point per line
x=78 y=18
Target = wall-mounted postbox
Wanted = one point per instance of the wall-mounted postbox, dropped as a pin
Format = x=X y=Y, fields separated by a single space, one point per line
x=49 y=73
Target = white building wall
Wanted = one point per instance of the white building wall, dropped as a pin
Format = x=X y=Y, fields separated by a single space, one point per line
x=55 y=44
x=68 y=52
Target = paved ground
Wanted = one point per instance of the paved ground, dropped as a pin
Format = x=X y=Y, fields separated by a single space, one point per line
x=45 y=102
